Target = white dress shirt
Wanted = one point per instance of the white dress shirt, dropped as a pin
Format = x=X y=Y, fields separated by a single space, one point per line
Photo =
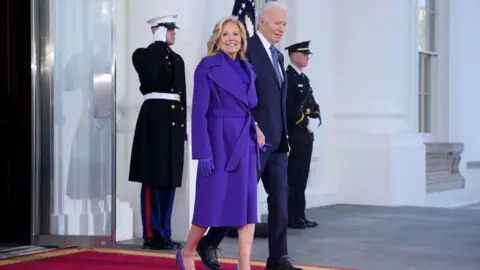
x=296 y=69
x=267 y=46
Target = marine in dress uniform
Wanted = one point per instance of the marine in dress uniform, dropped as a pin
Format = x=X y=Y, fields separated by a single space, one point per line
x=160 y=133
x=303 y=117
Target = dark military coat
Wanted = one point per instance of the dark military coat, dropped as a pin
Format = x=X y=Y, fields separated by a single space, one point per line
x=160 y=133
x=301 y=105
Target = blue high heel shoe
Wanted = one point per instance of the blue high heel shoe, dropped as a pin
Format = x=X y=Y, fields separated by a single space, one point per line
x=179 y=260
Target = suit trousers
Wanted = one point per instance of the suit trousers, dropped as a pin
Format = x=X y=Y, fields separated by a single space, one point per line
x=156 y=208
x=298 y=170
x=274 y=177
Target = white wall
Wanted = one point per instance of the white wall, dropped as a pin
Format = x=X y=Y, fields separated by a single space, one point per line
x=364 y=82
x=463 y=98
x=321 y=188
x=464 y=76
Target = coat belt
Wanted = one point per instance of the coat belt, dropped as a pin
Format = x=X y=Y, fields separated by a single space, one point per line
x=244 y=138
x=167 y=96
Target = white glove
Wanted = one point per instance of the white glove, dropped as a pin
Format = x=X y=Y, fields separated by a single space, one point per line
x=312 y=124
x=160 y=34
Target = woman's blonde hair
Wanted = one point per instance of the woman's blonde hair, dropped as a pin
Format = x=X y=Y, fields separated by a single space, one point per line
x=217 y=31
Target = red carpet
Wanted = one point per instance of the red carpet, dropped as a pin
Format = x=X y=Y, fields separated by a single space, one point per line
x=110 y=259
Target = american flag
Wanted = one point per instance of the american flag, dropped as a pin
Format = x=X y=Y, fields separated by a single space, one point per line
x=244 y=10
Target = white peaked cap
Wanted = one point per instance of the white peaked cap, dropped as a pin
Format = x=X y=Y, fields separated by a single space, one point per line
x=167 y=21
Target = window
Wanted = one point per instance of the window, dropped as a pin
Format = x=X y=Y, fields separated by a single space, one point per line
x=427 y=59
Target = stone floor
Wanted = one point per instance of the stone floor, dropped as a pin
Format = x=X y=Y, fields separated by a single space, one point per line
x=383 y=238
x=8 y=250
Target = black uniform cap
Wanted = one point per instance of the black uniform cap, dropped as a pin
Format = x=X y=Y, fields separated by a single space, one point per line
x=303 y=47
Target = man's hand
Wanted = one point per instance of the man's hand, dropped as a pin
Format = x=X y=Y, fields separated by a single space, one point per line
x=160 y=34
x=265 y=147
x=313 y=124
x=307 y=111
x=260 y=137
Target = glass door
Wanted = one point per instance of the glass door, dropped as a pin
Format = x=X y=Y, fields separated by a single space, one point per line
x=74 y=122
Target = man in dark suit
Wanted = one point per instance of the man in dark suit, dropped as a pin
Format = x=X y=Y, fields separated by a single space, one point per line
x=303 y=115
x=270 y=115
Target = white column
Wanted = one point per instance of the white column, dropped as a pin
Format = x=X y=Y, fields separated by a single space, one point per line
x=303 y=16
x=375 y=155
x=464 y=82
x=464 y=79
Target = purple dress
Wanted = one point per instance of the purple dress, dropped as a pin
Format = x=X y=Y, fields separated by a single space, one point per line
x=223 y=129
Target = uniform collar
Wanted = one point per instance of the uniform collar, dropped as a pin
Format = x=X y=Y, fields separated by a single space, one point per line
x=296 y=69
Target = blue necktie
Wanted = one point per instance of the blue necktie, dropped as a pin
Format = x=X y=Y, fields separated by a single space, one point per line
x=276 y=65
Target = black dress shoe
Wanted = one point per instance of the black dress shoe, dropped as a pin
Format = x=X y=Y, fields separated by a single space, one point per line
x=160 y=243
x=297 y=224
x=147 y=242
x=310 y=224
x=174 y=243
x=209 y=255
x=284 y=263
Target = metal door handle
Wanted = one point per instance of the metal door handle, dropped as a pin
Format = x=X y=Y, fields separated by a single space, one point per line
x=102 y=95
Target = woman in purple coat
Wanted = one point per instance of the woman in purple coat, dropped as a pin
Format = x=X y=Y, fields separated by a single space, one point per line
x=225 y=141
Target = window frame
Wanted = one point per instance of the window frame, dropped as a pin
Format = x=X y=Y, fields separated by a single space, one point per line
x=428 y=68
x=439 y=77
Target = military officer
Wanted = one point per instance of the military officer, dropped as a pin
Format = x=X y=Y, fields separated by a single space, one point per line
x=160 y=133
x=303 y=117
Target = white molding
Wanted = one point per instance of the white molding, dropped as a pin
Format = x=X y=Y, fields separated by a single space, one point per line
x=440 y=95
x=413 y=111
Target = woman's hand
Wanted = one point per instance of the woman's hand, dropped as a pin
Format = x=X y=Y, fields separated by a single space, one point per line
x=206 y=166
x=260 y=137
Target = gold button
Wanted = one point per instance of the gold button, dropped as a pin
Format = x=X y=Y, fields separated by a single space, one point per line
x=166 y=57
x=183 y=125
x=171 y=89
x=173 y=107
x=182 y=108
x=173 y=123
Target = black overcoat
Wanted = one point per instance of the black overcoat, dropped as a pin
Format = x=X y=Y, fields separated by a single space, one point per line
x=160 y=132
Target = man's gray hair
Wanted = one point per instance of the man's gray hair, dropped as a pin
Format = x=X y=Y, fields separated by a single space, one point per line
x=270 y=6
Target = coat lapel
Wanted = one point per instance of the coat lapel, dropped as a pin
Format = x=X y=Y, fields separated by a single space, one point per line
x=174 y=61
x=251 y=94
x=226 y=77
x=265 y=58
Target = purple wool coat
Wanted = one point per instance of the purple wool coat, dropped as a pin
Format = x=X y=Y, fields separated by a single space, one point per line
x=223 y=129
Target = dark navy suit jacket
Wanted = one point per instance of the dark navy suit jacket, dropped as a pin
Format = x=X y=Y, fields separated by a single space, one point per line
x=270 y=113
